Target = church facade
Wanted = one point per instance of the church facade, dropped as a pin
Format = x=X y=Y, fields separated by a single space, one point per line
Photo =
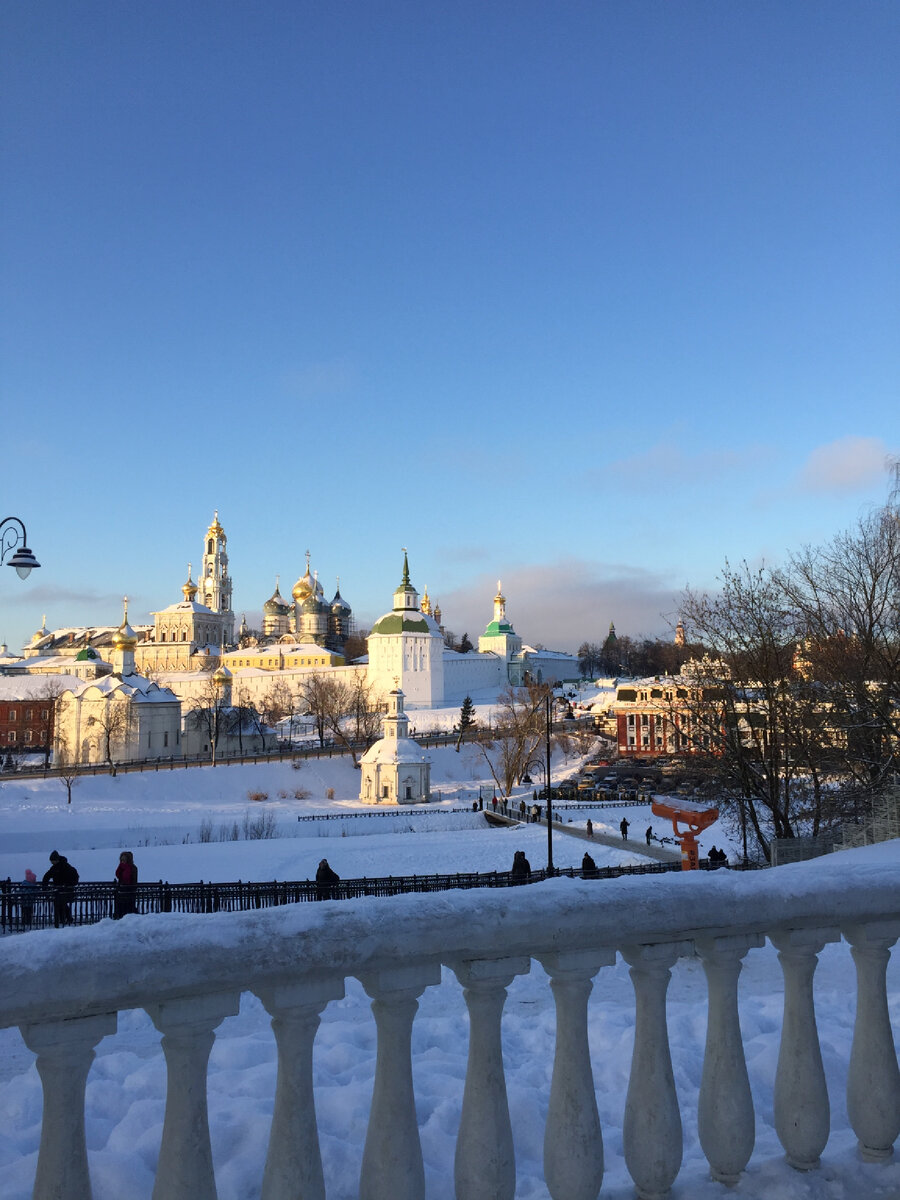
x=406 y=650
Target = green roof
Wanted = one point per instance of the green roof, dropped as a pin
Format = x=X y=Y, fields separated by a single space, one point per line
x=497 y=627
x=401 y=623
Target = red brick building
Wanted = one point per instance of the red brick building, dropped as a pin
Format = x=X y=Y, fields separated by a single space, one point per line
x=27 y=707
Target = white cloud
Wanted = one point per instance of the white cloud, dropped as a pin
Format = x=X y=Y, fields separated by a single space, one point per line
x=847 y=465
x=565 y=603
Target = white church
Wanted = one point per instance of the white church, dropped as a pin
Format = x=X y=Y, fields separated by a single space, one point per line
x=407 y=651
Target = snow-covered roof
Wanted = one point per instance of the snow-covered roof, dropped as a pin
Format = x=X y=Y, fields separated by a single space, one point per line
x=394 y=750
x=140 y=689
x=549 y=653
x=186 y=606
x=36 y=687
x=280 y=648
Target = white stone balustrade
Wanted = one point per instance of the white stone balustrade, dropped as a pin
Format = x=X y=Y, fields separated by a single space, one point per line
x=485 y=1166
x=189 y=973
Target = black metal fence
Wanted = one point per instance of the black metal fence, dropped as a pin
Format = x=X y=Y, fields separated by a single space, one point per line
x=25 y=906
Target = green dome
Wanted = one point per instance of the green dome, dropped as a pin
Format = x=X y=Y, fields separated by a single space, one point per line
x=401 y=622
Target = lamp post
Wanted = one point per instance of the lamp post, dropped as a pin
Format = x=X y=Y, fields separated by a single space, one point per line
x=549 y=701
x=545 y=768
x=12 y=534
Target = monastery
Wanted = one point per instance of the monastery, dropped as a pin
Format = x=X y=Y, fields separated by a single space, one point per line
x=195 y=637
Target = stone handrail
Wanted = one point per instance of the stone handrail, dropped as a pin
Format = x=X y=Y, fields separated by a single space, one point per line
x=189 y=973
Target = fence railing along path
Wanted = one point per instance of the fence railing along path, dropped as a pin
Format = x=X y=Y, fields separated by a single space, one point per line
x=296 y=958
x=24 y=908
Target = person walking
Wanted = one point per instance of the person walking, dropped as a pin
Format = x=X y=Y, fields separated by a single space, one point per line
x=649 y=834
x=521 y=868
x=325 y=880
x=588 y=867
x=623 y=829
x=63 y=876
x=126 y=886
x=590 y=828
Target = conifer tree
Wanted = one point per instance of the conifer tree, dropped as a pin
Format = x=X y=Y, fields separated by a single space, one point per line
x=466 y=719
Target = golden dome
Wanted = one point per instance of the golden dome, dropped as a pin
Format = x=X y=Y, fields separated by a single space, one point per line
x=125 y=638
x=190 y=588
x=305 y=585
x=215 y=530
x=425 y=606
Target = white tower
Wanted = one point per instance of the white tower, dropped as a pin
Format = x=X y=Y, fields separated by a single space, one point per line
x=215 y=582
x=395 y=770
x=406 y=645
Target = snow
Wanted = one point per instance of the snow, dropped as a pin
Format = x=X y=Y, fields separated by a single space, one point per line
x=126 y=1086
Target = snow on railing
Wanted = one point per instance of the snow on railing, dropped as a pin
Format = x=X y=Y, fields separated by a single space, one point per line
x=64 y=991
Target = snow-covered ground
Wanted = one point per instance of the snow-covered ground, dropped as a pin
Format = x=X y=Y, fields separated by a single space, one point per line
x=126 y=1088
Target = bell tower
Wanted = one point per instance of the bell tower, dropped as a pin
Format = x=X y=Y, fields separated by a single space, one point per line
x=214 y=581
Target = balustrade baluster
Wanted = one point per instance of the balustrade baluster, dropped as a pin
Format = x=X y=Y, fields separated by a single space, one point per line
x=185 y=1169
x=651 y=1130
x=802 y=1111
x=484 y=1166
x=573 y=1142
x=294 y=1163
x=392 y=1167
x=725 y=1119
x=65 y=1051
x=873 y=1080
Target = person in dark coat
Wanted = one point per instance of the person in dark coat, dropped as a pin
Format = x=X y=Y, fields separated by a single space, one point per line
x=588 y=867
x=126 y=885
x=325 y=880
x=590 y=827
x=649 y=834
x=63 y=876
x=521 y=868
x=623 y=829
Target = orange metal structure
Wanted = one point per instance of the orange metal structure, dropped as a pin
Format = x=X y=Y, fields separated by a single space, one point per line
x=695 y=819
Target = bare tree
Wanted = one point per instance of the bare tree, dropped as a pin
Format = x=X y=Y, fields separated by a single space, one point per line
x=343 y=708
x=317 y=692
x=519 y=728
x=207 y=711
x=112 y=718
x=746 y=708
x=847 y=594
x=67 y=764
x=46 y=696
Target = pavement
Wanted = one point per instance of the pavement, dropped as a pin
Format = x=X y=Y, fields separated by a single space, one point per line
x=658 y=853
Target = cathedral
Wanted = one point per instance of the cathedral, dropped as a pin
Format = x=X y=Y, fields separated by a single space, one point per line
x=311 y=618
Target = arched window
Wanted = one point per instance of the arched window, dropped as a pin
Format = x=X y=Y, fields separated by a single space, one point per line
x=209 y=546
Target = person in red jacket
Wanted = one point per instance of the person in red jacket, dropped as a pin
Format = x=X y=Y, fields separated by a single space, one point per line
x=126 y=885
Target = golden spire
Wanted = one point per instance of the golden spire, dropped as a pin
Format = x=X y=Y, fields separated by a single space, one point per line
x=426 y=602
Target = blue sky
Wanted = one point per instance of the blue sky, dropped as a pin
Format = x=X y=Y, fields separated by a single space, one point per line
x=582 y=296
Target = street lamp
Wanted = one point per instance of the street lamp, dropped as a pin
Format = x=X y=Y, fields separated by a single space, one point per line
x=23 y=560
x=526 y=778
x=549 y=700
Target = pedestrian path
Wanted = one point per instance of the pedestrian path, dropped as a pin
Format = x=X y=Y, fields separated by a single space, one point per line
x=658 y=853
